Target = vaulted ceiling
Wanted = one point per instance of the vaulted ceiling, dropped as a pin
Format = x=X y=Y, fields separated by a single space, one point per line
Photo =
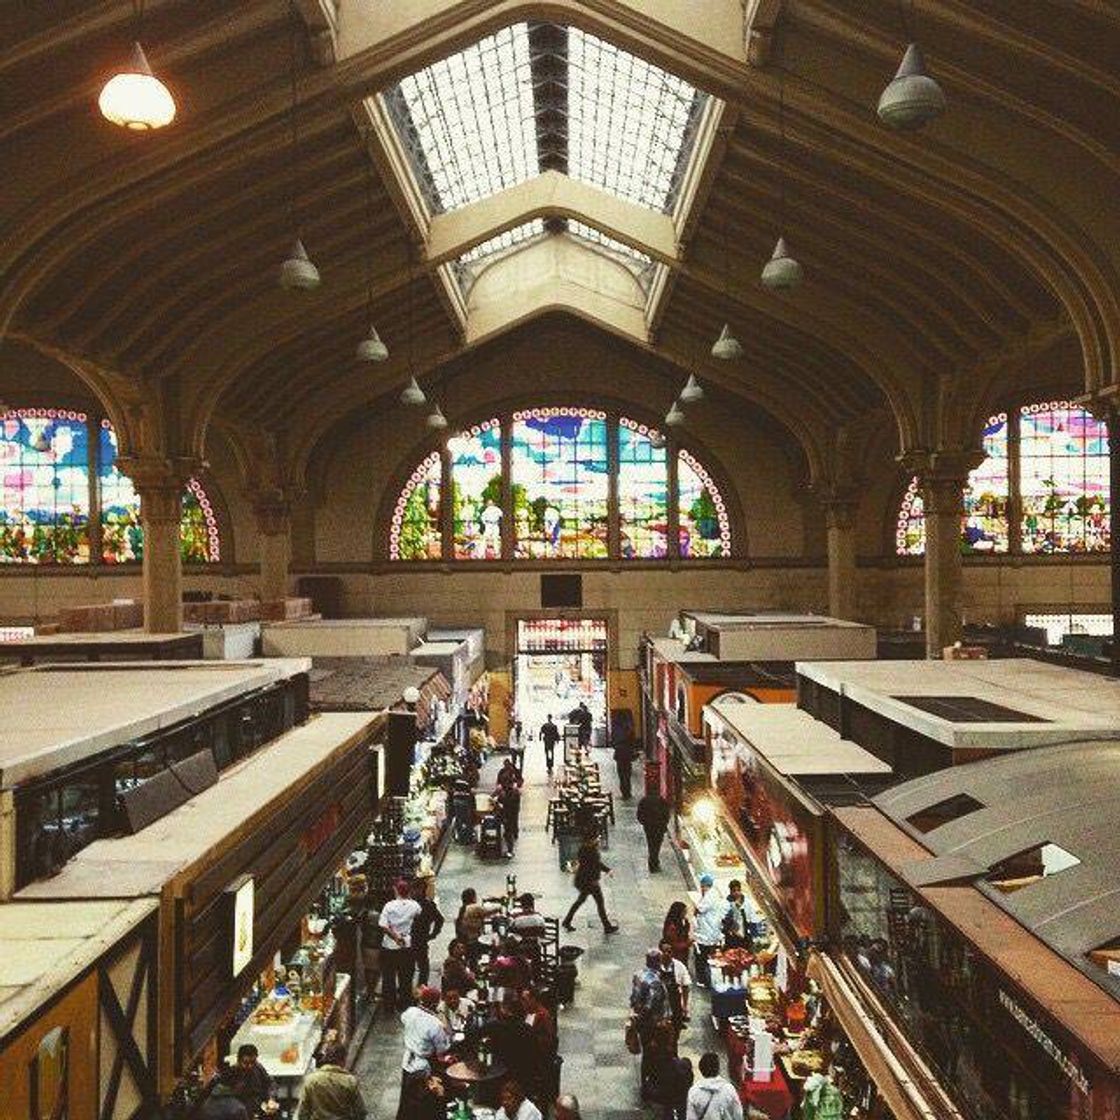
x=937 y=263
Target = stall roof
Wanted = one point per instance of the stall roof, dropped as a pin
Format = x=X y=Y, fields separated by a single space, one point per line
x=1052 y=703
x=735 y=620
x=45 y=946
x=793 y=742
x=54 y=715
x=342 y=637
x=1079 y=1005
x=137 y=865
x=1067 y=796
x=369 y=684
x=673 y=649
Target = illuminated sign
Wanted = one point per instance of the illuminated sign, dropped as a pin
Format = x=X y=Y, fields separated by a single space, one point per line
x=242 y=892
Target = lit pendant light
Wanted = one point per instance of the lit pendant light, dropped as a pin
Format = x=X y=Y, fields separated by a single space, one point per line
x=693 y=391
x=412 y=394
x=297 y=272
x=41 y=441
x=656 y=439
x=436 y=419
x=371 y=348
x=781 y=271
x=675 y=416
x=727 y=347
x=135 y=98
x=912 y=98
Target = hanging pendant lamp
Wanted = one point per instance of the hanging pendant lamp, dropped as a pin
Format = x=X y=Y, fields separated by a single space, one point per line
x=41 y=441
x=912 y=98
x=297 y=273
x=412 y=394
x=675 y=416
x=781 y=272
x=134 y=98
x=656 y=439
x=693 y=391
x=727 y=347
x=436 y=419
x=371 y=348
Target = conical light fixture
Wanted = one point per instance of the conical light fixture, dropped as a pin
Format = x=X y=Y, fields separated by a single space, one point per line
x=693 y=391
x=727 y=347
x=40 y=441
x=436 y=419
x=675 y=416
x=371 y=348
x=412 y=394
x=134 y=98
x=912 y=98
x=781 y=271
x=656 y=439
x=297 y=273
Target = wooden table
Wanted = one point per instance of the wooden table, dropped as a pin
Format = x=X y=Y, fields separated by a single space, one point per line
x=479 y=1081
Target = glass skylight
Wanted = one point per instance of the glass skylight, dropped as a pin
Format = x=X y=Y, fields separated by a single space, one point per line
x=468 y=121
x=537 y=96
x=505 y=240
x=590 y=233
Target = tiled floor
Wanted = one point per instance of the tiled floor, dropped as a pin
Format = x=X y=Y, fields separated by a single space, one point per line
x=597 y=1067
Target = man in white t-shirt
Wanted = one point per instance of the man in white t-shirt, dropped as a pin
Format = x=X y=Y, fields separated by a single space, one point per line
x=424 y=1037
x=515 y=1105
x=396 y=920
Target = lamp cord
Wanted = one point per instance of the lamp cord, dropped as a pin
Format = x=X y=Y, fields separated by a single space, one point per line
x=293 y=116
x=369 y=236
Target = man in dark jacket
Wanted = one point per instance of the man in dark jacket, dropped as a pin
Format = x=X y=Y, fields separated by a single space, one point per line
x=550 y=736
x=590 y=868
x=624 y=763
x=426 y=927
x=653 y=816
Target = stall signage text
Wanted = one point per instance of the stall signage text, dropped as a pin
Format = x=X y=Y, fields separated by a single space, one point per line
x=1064 y=1061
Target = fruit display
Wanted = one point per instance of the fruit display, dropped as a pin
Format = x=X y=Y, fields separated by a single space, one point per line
x=273 y=1012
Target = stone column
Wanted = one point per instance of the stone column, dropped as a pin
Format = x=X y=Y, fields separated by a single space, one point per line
x=942 y=497
x=274 y=529
x=159 y=485
x=843 y=591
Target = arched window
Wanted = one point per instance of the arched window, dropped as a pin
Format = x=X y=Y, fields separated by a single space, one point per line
x=561 y=483
x=1055 y=502
x=63 y=500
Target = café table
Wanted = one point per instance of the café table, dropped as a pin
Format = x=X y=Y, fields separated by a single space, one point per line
x=481 y=1082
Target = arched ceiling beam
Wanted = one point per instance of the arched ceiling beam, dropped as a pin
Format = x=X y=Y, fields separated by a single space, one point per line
x=551 y=194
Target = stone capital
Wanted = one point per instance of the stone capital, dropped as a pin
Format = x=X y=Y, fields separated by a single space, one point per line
x=159 y=484
x=840 y=502
x=1104 y=404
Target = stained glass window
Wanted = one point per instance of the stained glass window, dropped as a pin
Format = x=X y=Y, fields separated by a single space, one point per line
x=643 y=493
x=1063 y=479
x=476 y=492
x=559 y=493
x=122 y=537
x=415 y=532
x=1062 y=484
x=45 y=481
x=704 y=527
x=559 y=475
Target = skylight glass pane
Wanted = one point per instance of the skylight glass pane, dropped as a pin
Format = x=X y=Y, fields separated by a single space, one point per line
x=629 y=122
x=590 y=233
x=541 y=96
x=506 y=240
x=468 y=120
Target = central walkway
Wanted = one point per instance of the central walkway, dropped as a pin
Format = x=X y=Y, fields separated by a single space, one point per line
x=597 y=1066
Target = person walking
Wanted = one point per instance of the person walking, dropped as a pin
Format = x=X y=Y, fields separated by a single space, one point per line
x=426 y=927
x=649 y=1008
x=550 y=736
x=653 y=816
x=331 y=1092
x=710 y=910
x=397 y=917
x=424 y=1037
x=677 y=930
x=624 y=764
x=590 y=870
x=517 y=746
x=582 y=718
x=509 y=808
x=713 y=1097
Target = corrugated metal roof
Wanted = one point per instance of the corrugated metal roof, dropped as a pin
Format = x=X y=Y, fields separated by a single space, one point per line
x=1068 y=795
